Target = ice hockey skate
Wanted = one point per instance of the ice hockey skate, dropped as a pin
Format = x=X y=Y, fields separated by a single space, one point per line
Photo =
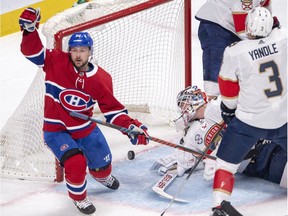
x=218 y=212
x=110 y=182
x=225 y=209
x=85 y=206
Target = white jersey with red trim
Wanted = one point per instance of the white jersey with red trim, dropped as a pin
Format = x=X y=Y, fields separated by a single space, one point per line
x=230 y=14
x=253 y=79
x=201 y=132
x=197 y=135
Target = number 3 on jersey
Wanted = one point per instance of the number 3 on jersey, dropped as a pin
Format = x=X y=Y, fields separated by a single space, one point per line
x=273 y=78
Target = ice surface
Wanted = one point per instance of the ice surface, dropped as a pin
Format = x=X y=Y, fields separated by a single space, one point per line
x=252 y=197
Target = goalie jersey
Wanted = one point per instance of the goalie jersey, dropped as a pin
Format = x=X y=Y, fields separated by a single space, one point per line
x=201 y=132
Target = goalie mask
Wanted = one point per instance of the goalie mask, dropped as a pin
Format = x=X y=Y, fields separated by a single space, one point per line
x=189 y=101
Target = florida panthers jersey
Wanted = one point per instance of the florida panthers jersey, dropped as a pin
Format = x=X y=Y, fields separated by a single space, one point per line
x=230 y=14
x=253 y=78
x=201 y=132
x=69 y=90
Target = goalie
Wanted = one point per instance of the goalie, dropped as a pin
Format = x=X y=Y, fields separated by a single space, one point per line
x=197 y=132
x=199 y=122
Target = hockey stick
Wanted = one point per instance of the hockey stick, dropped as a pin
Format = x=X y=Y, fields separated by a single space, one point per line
x=125 y=130
x=163 y=183
x=213 y=142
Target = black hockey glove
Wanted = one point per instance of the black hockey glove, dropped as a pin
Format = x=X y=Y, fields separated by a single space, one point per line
x=276 y=22
x=226 y=113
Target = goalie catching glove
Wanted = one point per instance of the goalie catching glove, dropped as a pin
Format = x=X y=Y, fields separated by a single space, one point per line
x=141 y=136
x=29 y=19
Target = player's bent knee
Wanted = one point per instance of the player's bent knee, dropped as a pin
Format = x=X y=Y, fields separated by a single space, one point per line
x=102 y=172
x=75 y=168
x=69 y=154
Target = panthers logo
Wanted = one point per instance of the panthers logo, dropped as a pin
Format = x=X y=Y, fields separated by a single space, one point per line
x=74 y=100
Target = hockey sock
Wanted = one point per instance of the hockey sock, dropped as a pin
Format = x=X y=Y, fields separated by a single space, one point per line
x=75 y=176
x=223 y=186
x=101 y=173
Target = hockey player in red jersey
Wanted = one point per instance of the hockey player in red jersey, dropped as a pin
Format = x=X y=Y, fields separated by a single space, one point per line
x=222 y=22
x=253 y=86
x=73 y=83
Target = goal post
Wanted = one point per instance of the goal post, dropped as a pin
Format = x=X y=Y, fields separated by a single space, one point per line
x=146 y=47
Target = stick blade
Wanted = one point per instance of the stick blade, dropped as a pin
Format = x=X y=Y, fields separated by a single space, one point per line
x=163 y=183
x=168 y=196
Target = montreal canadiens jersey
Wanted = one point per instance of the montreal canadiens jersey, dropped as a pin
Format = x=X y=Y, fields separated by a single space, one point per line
x=230 y=14
x=69 y=90
x=253 y=78
x=201 y=132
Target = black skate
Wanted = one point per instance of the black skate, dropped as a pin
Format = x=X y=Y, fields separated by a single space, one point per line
x=110 y=182
x=226 y=209
x=85 y=206
x=218 y=212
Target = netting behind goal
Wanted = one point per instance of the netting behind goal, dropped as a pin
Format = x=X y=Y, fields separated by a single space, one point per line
x=139 y=42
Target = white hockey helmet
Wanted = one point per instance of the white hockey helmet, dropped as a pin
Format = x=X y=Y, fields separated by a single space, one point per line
x=189 y=101
x=259 y=22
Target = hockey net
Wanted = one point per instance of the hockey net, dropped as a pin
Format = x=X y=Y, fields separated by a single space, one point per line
x=139 y=42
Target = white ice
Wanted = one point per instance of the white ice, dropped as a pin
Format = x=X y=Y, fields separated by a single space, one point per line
x=30 y=198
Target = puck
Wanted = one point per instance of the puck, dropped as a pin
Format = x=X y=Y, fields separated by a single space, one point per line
x=131 y=155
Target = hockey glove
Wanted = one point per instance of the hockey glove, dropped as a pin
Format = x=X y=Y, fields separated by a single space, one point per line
x=210 y=169
x=276 y=22
x=29 y=19
x=142 y=137
x=226 y=113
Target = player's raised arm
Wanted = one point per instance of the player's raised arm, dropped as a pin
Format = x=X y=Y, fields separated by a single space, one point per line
x=31 y=45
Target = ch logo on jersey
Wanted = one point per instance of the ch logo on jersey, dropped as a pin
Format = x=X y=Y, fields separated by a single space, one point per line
x=74 y=100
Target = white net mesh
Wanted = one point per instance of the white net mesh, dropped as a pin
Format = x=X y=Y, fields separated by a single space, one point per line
x=143 y=52
x=23 y=153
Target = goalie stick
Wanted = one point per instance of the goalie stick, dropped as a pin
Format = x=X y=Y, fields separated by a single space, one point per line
x=125 y=130
x=163 y=183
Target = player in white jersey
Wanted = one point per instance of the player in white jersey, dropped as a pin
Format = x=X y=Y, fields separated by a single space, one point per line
x=253 y=85
x=222 y=22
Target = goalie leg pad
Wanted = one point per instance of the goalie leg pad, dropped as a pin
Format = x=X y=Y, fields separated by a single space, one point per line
x=165 y=164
